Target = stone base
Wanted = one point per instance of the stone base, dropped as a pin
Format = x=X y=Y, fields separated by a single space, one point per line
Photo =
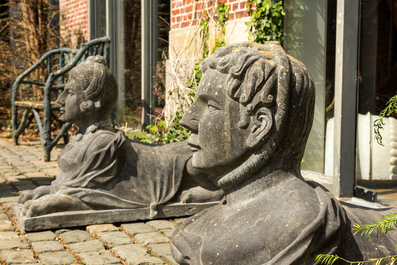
x=90 y=217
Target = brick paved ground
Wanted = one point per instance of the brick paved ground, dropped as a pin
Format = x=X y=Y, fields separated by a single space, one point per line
x=22 y=168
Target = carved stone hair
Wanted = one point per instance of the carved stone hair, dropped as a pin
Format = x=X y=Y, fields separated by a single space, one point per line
x=264 y=76
x=100 y=84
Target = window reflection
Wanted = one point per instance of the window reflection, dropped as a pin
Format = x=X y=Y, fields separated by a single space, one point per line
x=377 y=165
x=310 y=37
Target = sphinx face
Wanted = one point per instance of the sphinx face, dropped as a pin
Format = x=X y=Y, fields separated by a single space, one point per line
x=72 y=97
x=217 y=142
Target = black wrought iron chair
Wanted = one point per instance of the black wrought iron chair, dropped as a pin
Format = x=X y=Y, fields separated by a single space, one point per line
x=58 y=64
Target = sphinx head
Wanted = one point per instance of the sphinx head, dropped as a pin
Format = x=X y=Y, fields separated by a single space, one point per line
x=253 y=109
x=91 y=92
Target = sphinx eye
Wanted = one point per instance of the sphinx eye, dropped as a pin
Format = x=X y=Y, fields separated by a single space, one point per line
x=213 y=106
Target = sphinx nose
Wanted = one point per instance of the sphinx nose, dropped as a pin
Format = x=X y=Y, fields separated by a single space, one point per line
x=61 y=98
x=189 y=121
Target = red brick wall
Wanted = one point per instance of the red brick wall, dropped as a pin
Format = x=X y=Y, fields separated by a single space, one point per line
x=74 y=21
x=189 y=12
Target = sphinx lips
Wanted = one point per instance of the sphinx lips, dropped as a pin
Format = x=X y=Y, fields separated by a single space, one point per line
x=194 y=147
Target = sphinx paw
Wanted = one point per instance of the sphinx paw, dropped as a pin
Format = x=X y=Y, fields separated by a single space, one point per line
x=199 y=194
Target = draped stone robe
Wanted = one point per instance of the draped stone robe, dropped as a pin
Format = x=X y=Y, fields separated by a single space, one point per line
x=105 y=170
x=289 y=223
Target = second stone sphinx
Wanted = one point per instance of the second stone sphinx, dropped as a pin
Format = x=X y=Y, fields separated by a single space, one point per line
x=101 y=169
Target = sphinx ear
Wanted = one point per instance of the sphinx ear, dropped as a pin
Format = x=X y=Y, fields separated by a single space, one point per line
x=261 y=125
x=86 y=105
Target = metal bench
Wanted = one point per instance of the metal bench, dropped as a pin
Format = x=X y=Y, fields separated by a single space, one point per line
x=58 y=64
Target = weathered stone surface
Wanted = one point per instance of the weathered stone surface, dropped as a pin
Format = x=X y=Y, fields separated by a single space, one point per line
x=25 y=187
x=160 y=250
x=11 y=174
x=113 y=239
x=26 y=169
x=9 y=205
x=41 y=164
x=36 y=174
x=131 y=250
x=8 y=193
x=61 y=231
x=14 y=244
x=168 y=232
x=8 y=235
x=24 y=256
x=170 y=260
x=47 y=246
x=56 y=258
x=95 y=229
x=25 y=182
x=42 y=181
x=102 y=257
x=75 y=236
x=162 y=224
x=178 y=221
x=6 y=187
x=87 y=246
x=6 y=225
x=29 y=158
x=51 y=172
x=7 y=170
x=41 y=236
x=134 y=228
x=144 y=260
x=19 y=162
x=81 y=218
x=10 y=197
x=250 y=123
x=151 y=238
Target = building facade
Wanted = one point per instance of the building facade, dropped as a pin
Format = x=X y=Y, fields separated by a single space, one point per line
x=74 y=21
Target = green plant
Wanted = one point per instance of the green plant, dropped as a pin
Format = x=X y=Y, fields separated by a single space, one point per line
x=159 y=80
x=163 y=134
x=160 y=133
x=330 y=259
x=266 y=20
x=222 y=12
x=386 y=224
x=129 y=117
x=223 y=15
x=391 y=108
x=205 y=34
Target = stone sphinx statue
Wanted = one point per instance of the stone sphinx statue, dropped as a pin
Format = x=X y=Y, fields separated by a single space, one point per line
x=250 y=123
x=101 y=169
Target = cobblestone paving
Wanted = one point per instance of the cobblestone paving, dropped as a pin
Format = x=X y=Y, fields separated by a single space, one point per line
x=22 y=168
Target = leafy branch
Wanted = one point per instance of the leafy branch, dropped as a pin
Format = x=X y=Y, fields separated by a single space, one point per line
x=388 y=223
x=330 y=259
x=266 y=20
x=391 y=107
